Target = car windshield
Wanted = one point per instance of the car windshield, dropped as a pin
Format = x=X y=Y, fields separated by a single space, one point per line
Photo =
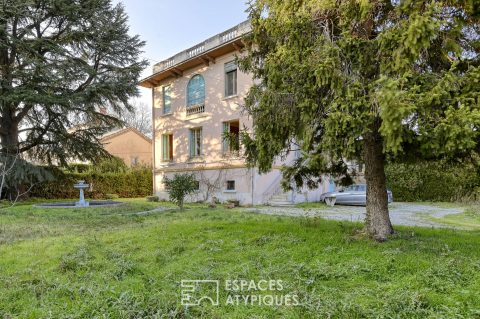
x=355 y=188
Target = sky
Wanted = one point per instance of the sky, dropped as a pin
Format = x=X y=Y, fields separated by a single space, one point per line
x=171 y=26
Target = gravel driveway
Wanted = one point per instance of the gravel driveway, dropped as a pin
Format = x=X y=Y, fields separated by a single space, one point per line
x=408 y=214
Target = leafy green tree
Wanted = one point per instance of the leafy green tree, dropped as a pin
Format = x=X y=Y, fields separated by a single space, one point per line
x=180 y=186
x=363 y=80
x=62 y=62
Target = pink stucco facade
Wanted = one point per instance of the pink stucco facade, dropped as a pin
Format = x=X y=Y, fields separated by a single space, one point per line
x=217 y=170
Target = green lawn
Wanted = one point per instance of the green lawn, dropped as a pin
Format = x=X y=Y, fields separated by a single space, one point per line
x=311 y=205
x=112 y=263
x=469 y=219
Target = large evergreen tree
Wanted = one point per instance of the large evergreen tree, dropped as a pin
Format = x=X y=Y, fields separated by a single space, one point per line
x=61 y=63
x=362 y=80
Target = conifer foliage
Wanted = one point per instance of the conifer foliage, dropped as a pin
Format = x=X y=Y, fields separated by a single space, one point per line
x=362 y=80
x=61 y=63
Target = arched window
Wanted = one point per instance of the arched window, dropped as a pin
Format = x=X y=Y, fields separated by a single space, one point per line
x=196 y=91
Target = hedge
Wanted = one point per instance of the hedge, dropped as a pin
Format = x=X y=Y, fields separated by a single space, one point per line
x=132 y=183
x=434 y=181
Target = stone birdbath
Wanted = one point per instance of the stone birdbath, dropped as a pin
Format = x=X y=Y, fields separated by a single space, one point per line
x=80 y=185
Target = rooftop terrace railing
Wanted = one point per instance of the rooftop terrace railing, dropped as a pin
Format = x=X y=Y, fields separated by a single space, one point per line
x=211 y=43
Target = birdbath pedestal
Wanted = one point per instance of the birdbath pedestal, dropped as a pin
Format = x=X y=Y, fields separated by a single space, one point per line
x=81 y=186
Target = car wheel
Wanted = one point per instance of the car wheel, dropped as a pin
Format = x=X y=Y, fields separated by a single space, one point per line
x=330 y=201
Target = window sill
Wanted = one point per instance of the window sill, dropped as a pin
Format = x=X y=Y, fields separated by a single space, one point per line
x=226 y=98
x=196 y=115
x=229 y=191
x=196 y=159
x=166 y=114
x=232 y=155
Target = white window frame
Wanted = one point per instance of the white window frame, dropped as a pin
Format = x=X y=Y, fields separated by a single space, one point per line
x=195 y=142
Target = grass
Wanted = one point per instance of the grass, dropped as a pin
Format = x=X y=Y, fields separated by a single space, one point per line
x=469 y=219
x=113 y=263
x=311 y=205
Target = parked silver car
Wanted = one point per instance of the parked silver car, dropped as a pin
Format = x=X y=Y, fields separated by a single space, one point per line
x=351 y=195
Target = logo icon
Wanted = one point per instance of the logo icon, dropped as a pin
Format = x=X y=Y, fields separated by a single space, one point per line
x=194 y=292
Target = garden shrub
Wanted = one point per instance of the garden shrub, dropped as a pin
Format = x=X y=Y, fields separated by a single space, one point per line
x=79 y=168
x=179 y=186
x=433 y=181
x=135 y=182
x=110 y=165
x=153 y=198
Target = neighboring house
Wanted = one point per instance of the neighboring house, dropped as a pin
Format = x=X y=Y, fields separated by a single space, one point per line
x=130 y=145
x=197 y=102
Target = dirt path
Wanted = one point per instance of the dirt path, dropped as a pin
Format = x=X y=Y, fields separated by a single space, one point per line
x=407 y=214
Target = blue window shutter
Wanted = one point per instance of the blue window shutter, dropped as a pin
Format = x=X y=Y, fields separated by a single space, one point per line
x=166 y=100
x=230 y=78
x=226 y=130
x=191 y=140
x=163 y=147
x=200 y=142
x=230 y=66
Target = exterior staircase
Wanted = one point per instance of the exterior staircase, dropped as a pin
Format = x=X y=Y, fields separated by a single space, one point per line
x=280 y=199
x=275 y=196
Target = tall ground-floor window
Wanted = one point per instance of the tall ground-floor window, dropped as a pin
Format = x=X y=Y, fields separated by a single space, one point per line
x=195 y=142
x=167 y=147
x=231 y=137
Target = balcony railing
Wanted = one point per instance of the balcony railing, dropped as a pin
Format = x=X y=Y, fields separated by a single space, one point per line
x=169 y=63
x=194 y=109
x=195 y=50
x=228 y=35
x=211 y=43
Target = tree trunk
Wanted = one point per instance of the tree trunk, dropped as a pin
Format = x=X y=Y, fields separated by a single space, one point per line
x=8 y=151
x=8 y=123
x=377 y=222
x=9 y=133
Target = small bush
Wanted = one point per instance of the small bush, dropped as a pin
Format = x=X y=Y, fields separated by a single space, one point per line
x=153 y=198
x=180 y=186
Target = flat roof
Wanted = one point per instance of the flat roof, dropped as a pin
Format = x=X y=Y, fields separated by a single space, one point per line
x=203 y=53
